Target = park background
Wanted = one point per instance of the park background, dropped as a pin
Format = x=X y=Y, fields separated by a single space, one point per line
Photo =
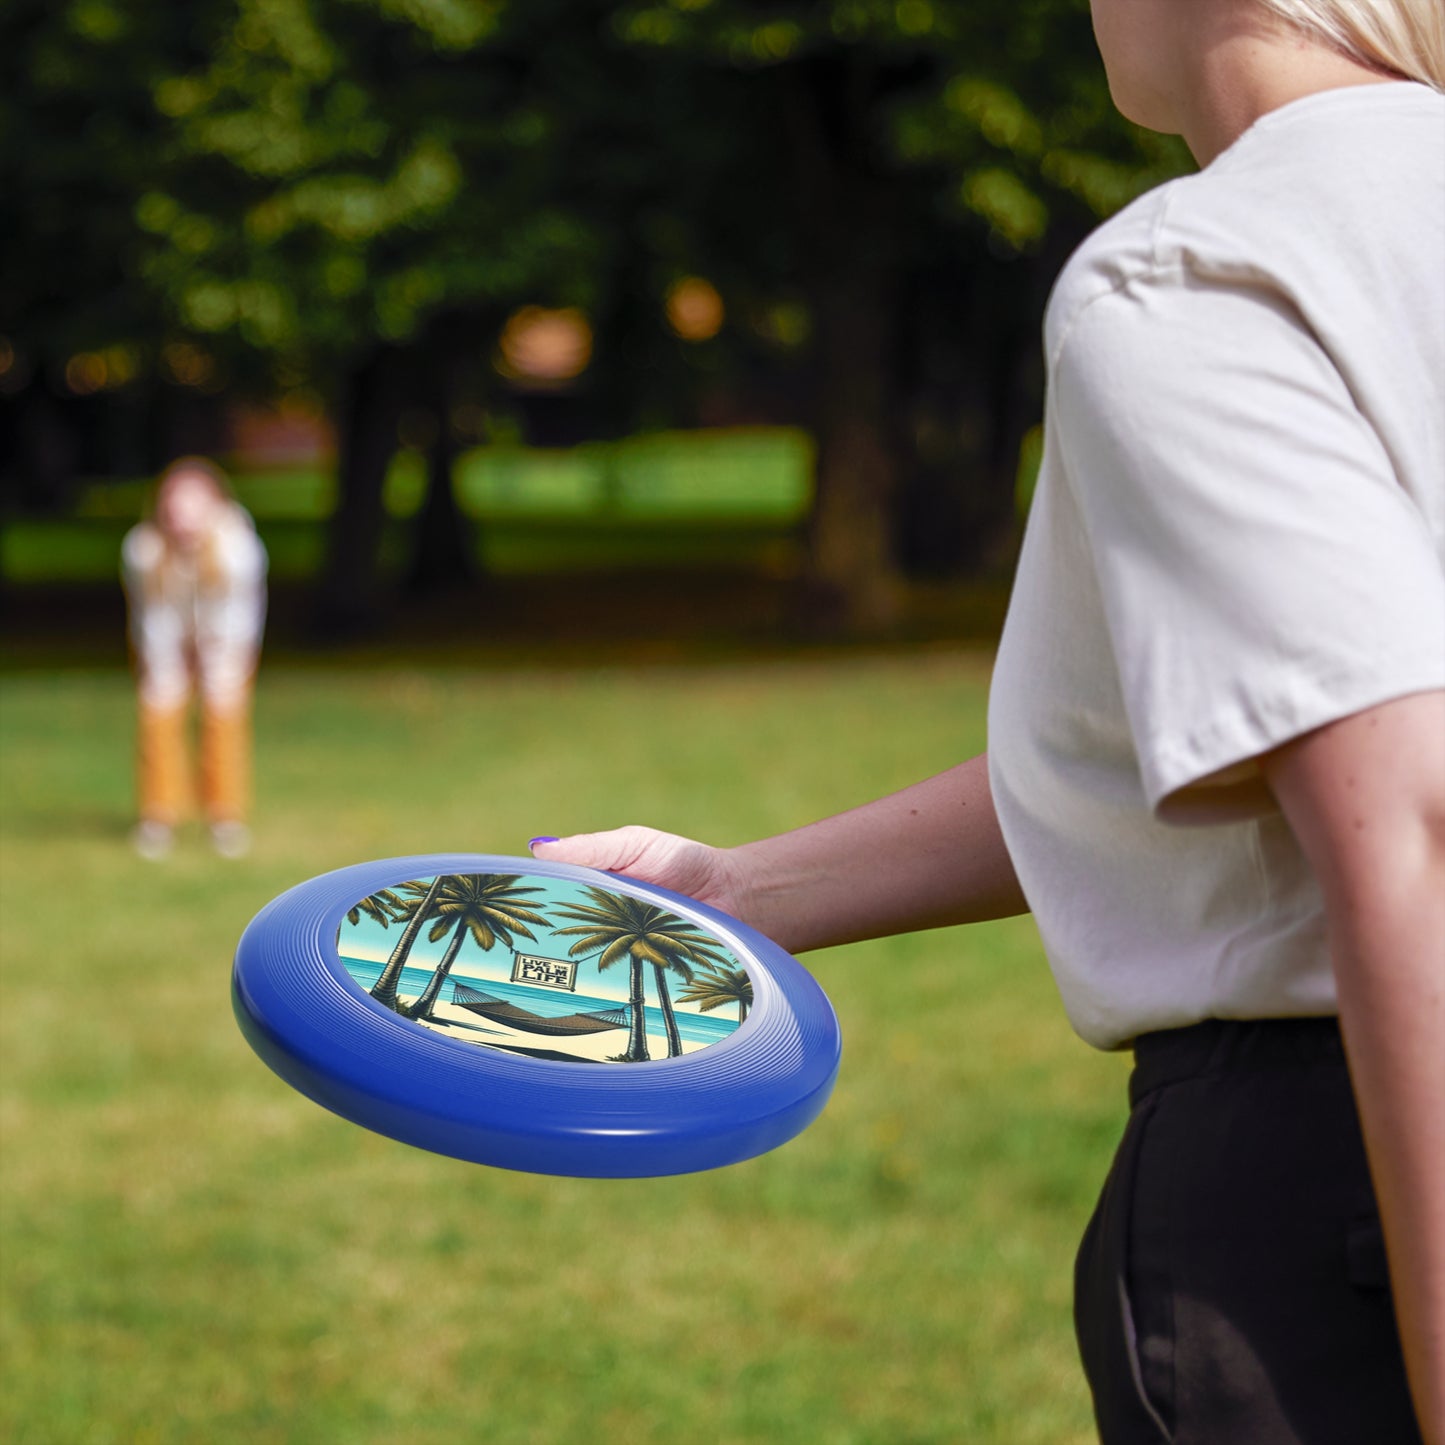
x=639 y=402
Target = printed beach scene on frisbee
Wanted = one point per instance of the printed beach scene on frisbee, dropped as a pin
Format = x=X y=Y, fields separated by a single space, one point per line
x=536 y=1016
x=549 y=968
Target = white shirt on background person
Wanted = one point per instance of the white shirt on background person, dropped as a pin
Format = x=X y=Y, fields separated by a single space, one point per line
x=196 y=619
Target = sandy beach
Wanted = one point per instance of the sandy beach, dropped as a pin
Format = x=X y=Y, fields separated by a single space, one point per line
x=596 y=1048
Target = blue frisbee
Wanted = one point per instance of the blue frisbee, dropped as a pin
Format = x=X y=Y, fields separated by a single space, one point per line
x=535 y=1016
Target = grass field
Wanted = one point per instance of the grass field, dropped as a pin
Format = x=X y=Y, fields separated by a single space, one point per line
x=192 y=1252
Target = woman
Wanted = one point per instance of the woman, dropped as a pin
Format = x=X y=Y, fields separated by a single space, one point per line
x=1217 y=759
x=195 y=583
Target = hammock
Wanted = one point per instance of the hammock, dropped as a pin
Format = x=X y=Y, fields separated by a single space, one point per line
x=474 y=1001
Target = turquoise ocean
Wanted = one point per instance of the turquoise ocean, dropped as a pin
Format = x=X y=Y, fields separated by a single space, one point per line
x=550 y=1003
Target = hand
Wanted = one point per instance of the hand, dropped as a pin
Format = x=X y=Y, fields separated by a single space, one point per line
x=930 y=856
x=696 y=870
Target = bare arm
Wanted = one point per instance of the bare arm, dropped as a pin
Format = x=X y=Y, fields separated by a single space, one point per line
x=926 y=857
x=1366 y=799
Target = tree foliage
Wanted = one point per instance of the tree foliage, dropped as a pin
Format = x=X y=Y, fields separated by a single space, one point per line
x=352 y=195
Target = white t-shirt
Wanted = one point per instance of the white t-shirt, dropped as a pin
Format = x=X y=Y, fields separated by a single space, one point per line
x=1238 y=536
x=196 y=620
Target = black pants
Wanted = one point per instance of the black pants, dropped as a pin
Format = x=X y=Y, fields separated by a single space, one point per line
x=1231 y=1287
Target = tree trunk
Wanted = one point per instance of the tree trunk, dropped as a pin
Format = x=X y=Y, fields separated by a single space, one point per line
x=422 y=1008
x=973 y=388
x=851 y=553
x=669 y=1019
x=384 y=989
x=349 y=597
x=47 y=450
x=637 y=1003
x=846 y=212
x=442 y=557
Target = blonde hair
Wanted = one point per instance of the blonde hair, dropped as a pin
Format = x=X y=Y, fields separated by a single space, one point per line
x=205 y=467
x=210 y=572
x=1404 y=37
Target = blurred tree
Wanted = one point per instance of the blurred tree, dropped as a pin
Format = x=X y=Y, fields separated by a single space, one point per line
x=917 y=170
x=79 y=139
x=371 y=187
x=351 y=196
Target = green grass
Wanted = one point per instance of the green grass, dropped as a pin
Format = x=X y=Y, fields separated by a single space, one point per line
x=192 y=1252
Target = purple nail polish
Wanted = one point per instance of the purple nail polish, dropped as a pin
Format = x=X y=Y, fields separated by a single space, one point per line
x=532 y=843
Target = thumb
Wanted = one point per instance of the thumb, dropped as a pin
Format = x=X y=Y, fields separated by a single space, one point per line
x=612 y=851
x=681 y=864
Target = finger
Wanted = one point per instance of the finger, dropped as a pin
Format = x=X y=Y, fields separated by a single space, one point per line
x=612 y=851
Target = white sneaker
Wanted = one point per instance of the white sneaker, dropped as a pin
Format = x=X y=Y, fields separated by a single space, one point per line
x=231 y=839
x=152 y=840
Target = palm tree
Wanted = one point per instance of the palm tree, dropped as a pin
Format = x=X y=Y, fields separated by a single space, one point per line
x=719 y=987
x=615 y=926
x=488 y=906
x=416 y=911
x=383 y=907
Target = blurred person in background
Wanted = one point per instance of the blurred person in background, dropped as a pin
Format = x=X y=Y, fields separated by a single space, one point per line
x=195 y=583
x=1216 y=767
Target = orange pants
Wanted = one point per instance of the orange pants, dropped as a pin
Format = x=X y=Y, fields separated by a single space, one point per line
x=163 y=762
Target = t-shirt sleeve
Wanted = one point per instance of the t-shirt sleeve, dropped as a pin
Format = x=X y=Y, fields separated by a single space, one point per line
x=1263 y=570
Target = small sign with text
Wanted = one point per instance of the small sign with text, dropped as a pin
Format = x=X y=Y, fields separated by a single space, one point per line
x=544 y=972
